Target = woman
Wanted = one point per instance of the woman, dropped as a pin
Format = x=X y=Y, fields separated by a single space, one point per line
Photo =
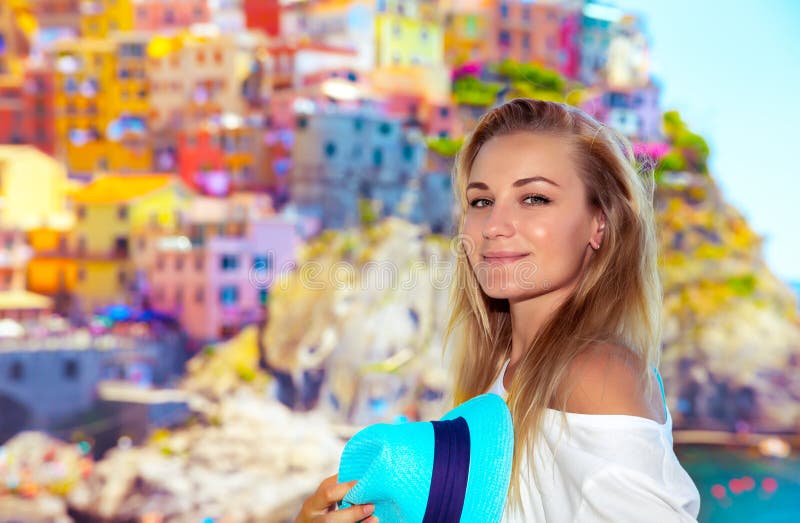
x=558 y=298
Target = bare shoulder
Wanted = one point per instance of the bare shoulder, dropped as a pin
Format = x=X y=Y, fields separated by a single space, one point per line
x=606 y=379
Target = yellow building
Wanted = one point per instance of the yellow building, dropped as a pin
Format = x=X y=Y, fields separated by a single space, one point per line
x=83 y=101
x=102 y=104
x=109 y=211
x=33 y=189
x=466 y=37
x=50 y=270
x=403 y=40
x=99 y=18
x=129 y=148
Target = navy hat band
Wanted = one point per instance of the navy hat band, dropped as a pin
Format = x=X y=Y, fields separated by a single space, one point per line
x=450 y=471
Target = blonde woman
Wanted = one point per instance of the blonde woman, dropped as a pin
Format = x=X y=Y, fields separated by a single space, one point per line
x=557 y=301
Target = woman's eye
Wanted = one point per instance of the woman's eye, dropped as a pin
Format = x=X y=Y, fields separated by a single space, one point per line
x=479 y=202
x=536 y=199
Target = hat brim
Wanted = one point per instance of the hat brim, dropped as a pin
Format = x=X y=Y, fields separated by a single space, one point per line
x=491 y=451
x=398 y=485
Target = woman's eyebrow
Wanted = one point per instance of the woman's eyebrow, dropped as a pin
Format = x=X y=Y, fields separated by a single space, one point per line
x=518 y=183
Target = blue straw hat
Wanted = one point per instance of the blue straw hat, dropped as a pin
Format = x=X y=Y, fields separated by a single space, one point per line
x=453 y=470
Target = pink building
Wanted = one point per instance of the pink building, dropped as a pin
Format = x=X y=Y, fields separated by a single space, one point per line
x=541 y=33
x=440 y=120
x=157 y=15
x=635 y=112
x=27 y=114
x=217 y=279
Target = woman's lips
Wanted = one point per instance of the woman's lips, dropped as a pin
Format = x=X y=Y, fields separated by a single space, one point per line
x=503 y=260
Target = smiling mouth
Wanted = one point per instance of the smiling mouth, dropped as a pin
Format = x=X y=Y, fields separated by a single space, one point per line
x=502 y=260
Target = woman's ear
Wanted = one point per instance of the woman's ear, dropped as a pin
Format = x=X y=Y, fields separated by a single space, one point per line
x=599 y=226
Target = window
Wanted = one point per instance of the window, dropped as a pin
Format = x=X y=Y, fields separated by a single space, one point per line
x=122 y=212
x=526 y=41
x=262 y=262
x=198 y=263
x=377 y=157
x=526 y=13
x=263 y=296
x=504 y=38
x=385 y=128
x=330 y=149
x=81 y=213
x=408 y=152
x=81 y=246
x=81 y=275
x=229 y=295
x=16 y=372
x=199 y=295
x=121 y=247
x=122 y=278
x=71 y=369
x=504 y=10
x=179 y=262
x=358 y=124
x=444 y=112
x=178 y=296
x=229 y=262
x=160 y=262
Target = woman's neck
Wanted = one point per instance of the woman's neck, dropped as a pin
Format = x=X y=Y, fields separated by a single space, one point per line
x=527 y=318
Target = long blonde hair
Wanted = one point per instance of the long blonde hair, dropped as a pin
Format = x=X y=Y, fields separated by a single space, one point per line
x=618 y=298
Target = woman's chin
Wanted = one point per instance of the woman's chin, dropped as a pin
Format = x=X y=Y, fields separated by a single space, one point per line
x=505 y=293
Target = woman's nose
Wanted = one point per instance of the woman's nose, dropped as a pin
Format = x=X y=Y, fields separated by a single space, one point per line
x=498 y=223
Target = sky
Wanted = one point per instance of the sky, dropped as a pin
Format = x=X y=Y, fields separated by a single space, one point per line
x=732 y=69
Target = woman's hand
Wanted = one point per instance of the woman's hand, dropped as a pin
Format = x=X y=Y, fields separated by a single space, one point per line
x=320 y=507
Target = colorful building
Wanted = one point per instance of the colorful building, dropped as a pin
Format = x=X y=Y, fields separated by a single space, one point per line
x=597 y=25
x=635 y=112
x=216 y=276
x=108 y=211
x=27 y=112
x=15 y=253
x=405 y=40
x=59 y=14
x=342 y=156
x=264 y=15
x=544 y=33
x=466 y=33
x=628 y=62
x=192 y=78
x=100 y=18
x=33 y=188
x=160 y=16
x=51 y=270
x=85 y=79
x=129 y=148
x=226 y=155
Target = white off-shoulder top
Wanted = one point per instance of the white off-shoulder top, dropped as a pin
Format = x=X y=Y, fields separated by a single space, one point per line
x=606 y=467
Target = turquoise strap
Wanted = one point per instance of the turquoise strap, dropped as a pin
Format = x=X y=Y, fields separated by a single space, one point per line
x=661 y=386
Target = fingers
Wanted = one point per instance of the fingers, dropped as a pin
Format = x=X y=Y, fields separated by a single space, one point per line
x=329 y=492
x=350 y=514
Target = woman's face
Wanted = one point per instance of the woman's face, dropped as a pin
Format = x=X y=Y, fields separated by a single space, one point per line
x=528 y=226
